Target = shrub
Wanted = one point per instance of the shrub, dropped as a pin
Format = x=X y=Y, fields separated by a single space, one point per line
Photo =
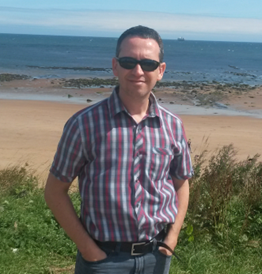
x=16 y=181
x=225 y=199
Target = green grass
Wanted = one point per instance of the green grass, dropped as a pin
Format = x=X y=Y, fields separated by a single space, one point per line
x=222 y=232
x=31 y=241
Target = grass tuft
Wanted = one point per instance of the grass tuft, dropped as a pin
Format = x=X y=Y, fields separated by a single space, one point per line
x=17 y=181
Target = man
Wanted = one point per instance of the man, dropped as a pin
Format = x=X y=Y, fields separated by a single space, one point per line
x=133 y=164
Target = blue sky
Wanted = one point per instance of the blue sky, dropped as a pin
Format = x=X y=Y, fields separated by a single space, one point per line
x=220 y=20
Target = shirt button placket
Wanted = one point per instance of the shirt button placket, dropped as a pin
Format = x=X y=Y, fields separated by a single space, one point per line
x=138 y=129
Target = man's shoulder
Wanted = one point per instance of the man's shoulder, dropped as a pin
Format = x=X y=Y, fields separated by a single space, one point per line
x=87 y=114
x=90 y=110
x=167 y=114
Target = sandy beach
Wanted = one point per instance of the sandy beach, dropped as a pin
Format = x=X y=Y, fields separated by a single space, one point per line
x=33 y=114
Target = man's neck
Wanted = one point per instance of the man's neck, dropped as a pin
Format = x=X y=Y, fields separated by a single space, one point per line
x=137 y=107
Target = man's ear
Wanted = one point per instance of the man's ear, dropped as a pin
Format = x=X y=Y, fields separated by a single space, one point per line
x=114 y=66
x=161 y=70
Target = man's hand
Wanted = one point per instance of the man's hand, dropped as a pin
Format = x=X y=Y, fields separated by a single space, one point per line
x=171 y=242
x=96 y=255
x=165 y=251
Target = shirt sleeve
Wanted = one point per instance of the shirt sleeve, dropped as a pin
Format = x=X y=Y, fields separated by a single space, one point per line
x=181 y=166
x=69 y=157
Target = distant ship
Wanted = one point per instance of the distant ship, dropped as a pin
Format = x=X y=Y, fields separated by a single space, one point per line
x=181 y=39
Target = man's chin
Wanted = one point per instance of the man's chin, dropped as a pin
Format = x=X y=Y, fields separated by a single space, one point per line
x=140 y=92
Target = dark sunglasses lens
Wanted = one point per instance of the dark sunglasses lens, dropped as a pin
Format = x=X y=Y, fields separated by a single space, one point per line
x=149 y=65
x=130 y=63
x=127 y=63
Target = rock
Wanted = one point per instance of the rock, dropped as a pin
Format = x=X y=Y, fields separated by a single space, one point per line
x=197 y=103
x=220 y=105
x=88 y=100
x=172 y=102
x=193 y=91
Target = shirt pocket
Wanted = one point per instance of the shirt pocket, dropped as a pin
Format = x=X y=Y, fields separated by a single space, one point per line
x=160 y=160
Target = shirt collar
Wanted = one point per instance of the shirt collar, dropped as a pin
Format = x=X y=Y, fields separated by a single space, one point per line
x=115 y=105
x=153 y=106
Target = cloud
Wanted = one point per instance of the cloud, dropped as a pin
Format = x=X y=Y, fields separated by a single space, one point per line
x=115 y=22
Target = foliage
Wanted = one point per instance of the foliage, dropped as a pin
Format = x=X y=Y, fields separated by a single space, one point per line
x=16 y=181
x=225 y=209
x=221 y=234
x=29 y=232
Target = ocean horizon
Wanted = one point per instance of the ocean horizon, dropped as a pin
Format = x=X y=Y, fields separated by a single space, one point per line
x=49 y=56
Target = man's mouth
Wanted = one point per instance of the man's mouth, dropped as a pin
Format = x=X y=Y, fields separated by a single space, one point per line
x=136 y=81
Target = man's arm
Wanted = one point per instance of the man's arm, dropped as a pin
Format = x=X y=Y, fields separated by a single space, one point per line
x=58 y=200
x=182 y=191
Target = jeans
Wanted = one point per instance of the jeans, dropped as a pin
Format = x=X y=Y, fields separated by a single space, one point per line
x=124 y=263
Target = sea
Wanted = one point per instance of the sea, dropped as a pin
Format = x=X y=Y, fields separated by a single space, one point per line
x=43 y=56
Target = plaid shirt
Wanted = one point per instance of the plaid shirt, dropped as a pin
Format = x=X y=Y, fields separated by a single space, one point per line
x=124 y=168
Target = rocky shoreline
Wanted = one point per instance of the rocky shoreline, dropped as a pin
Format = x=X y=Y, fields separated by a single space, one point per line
x=192 y=93
x=7 y=77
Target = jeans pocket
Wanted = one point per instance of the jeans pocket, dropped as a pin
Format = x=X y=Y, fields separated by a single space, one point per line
x=163 y=262
x=83 y=266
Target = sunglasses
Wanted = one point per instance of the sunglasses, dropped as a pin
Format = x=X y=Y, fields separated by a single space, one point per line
x=145 y=64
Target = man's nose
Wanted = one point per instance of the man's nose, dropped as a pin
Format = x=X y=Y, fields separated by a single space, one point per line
x=137 y=70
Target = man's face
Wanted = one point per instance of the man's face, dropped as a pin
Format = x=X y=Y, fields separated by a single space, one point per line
x=136 y=83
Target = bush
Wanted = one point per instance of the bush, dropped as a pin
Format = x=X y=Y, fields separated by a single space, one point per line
x=16 y=181
x=225 y=199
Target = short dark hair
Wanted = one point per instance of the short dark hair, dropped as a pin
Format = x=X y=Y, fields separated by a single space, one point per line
x=143 y=32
